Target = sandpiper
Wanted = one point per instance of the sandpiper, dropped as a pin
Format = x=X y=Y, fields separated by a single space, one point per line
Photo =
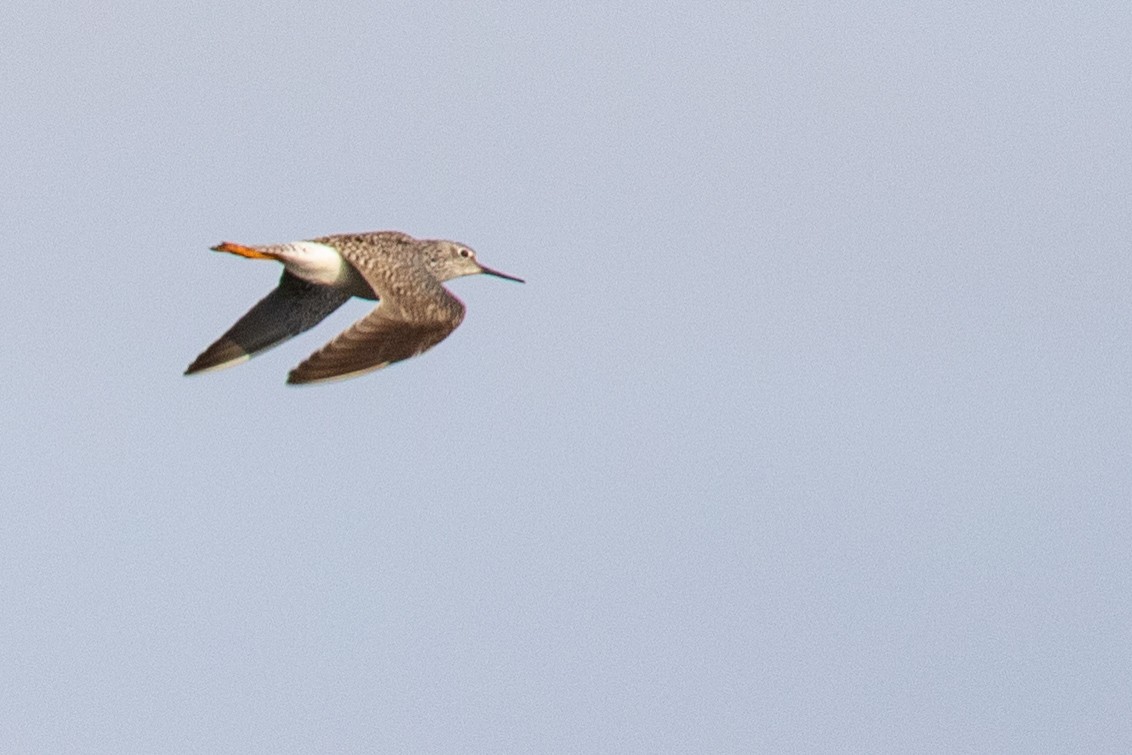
x=403 y=274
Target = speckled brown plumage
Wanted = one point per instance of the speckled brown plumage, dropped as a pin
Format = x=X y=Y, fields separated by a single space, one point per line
x=404 y=274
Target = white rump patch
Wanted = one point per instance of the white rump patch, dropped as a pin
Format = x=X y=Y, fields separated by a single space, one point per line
x=315 y=263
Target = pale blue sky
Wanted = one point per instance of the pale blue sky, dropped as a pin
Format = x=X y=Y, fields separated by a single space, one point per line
x=811 y=430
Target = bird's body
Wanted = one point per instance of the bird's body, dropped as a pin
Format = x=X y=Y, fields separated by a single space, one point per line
x=404 y=274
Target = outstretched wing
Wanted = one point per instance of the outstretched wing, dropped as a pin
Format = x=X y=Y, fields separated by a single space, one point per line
x=415 y=314
x=294 y=306
x=371 y=343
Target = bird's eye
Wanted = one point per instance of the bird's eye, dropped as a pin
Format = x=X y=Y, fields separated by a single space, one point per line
x=465 y=252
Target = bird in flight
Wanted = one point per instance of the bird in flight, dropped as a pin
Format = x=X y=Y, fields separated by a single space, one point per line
x=403 y=274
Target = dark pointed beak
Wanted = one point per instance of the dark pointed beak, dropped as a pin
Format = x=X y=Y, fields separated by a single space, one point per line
x=497 y=274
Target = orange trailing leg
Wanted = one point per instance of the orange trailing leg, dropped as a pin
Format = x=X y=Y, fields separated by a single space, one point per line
x=243 y=251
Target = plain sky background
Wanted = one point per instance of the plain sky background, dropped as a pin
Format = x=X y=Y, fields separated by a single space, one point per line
x=811 y=430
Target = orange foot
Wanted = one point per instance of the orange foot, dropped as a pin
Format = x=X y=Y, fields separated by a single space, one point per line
x=243 y=251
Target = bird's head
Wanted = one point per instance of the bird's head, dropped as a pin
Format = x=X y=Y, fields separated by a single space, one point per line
x=451 y=259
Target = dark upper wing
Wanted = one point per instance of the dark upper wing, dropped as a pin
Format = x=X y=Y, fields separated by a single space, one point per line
x=373 y=342
x=415 y=314
x=294 y=306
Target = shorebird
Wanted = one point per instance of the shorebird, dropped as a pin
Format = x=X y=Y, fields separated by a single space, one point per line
x=401 y=273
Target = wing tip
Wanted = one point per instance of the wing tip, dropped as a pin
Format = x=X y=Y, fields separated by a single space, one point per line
x=308 y=376
x=219 y=356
